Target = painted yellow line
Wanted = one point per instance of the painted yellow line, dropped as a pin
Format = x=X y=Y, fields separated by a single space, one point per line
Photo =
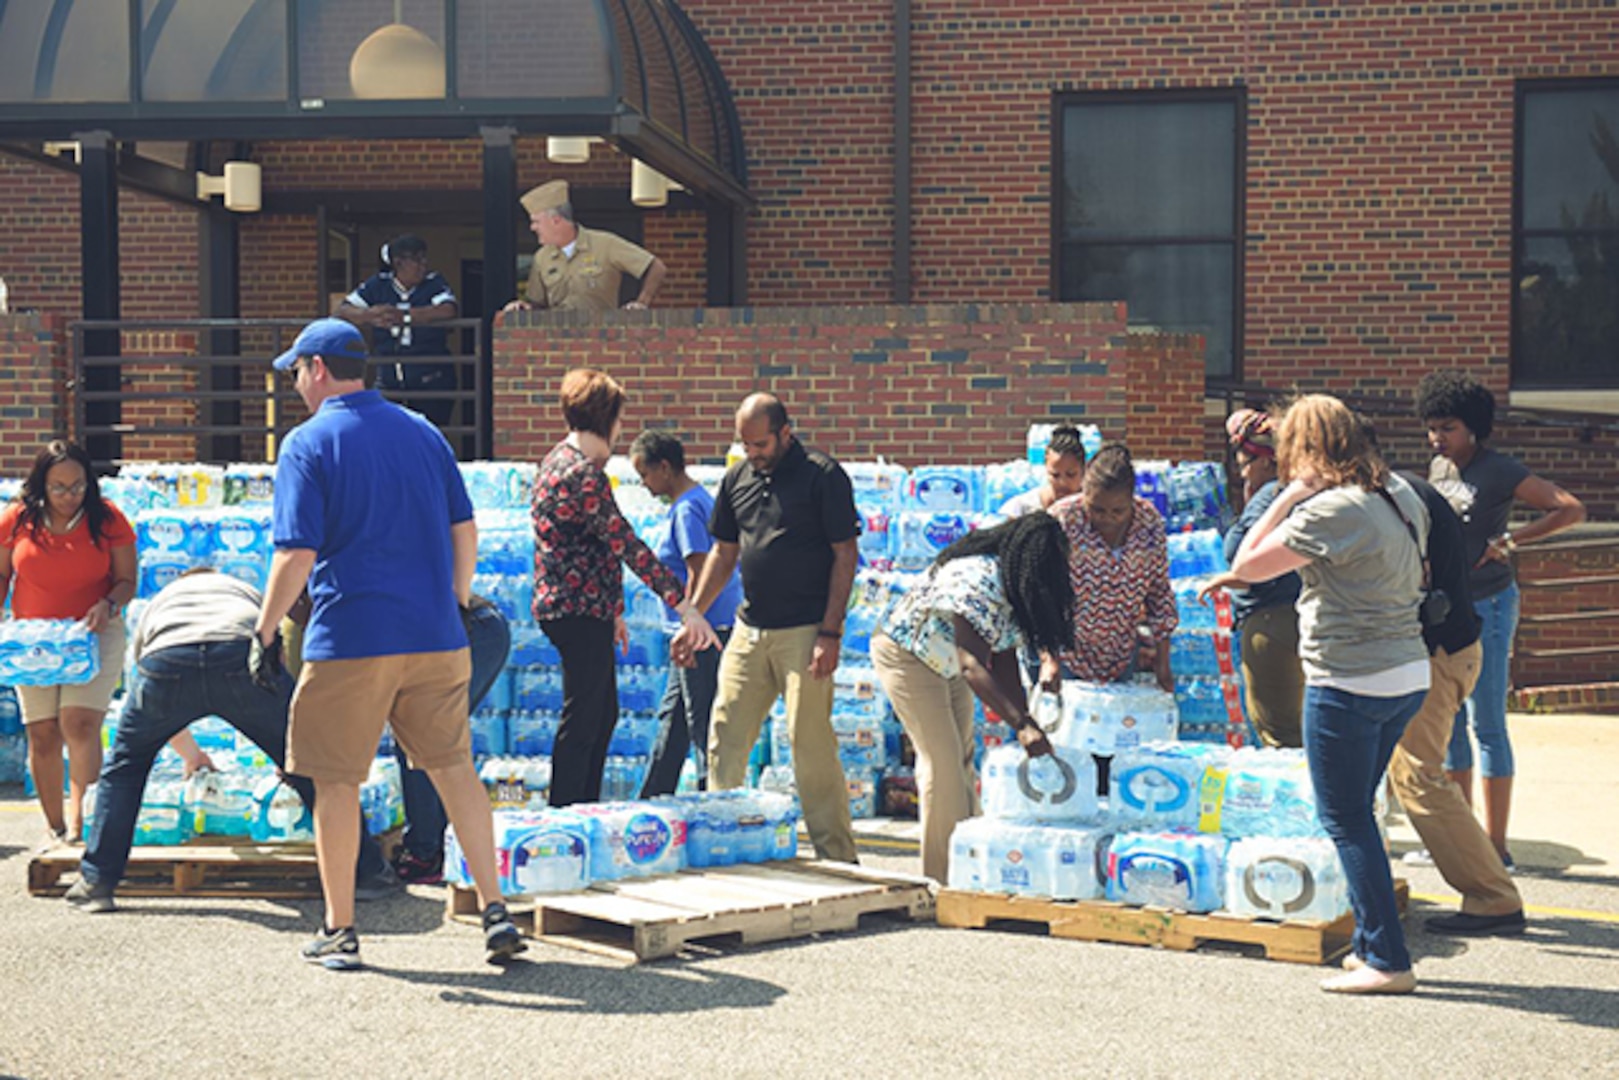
x=1532 y=909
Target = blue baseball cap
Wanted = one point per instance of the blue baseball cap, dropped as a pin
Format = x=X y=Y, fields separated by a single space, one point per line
x=324 y=337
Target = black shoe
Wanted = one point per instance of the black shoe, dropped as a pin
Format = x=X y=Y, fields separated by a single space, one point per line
x=95 y=899
x=500 y=935
x=334 y=950
x=378 y=886
x=1464 y=925
x=415 y=870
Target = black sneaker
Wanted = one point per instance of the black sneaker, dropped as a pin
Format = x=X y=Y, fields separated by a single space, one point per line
x=335 y=950
x=95 y=899
x=1463 y=924
x=415 y=870
x=378 y=886
x=500 y=935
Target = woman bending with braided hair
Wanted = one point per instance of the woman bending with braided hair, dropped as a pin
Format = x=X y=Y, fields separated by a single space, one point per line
x=956 y=634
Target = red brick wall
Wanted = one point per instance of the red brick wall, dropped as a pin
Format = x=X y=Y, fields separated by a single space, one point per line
x=1563 y=564
x=33 y=394
x=920 y=385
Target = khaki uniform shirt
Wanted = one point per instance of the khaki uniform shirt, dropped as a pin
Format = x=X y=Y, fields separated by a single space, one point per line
x=589 y=281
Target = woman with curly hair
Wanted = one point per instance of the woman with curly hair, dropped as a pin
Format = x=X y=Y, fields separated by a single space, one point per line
x=1065 y=468
x=956 y=634
x=1482 y=486
x=1356 y=535
x=66 y=553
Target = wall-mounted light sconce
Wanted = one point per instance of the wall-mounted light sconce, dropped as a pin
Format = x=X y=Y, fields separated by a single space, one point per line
x=648 y=186
x=241 y=186
x=64 y=149
x=568 y=150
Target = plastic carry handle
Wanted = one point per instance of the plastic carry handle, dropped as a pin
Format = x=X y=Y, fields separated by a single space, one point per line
x=1306 y=893
x=1150 y=861
x=1134 y=789
x=1025 y=784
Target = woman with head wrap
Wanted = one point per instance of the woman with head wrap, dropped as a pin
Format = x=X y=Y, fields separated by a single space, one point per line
x=1272 y=676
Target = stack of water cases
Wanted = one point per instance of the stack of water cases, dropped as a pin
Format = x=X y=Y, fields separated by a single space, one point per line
x=1205 y=651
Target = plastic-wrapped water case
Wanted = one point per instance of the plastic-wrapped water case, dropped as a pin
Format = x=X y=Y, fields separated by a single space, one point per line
x=1286 y=878
x=1181 y=870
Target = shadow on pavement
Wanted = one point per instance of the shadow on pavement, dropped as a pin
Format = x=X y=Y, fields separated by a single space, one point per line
x=545 y=985
x=404 y=914
x=1587 y=1005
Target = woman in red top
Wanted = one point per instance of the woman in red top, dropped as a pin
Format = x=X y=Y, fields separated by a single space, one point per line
x=67 y=554
x=581 y=543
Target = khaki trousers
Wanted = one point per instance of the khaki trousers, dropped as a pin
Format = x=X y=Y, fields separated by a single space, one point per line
x=757 y=667
x=1460 y=848
x=937 y=714
x=1272 y=676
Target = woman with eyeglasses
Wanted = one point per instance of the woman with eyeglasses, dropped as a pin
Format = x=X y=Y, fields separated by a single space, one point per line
x=65 y=553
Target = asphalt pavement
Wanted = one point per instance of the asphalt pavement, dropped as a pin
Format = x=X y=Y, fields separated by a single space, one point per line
x=212 y=987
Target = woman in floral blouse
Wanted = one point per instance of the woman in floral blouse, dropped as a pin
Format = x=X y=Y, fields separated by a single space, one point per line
x=1119 y=565
x=955 y=634
x=581 y=540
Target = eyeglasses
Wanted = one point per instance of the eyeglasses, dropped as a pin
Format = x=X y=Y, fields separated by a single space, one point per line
x=292 y=372
x=59 y=491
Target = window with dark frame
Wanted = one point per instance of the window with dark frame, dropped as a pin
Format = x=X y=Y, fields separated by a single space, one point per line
x=1565 y=238
x=1148 y=210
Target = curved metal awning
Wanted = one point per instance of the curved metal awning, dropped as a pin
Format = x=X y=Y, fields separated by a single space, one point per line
x=635 y=72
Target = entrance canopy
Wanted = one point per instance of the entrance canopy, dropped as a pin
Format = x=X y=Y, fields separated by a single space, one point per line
x=635 y=72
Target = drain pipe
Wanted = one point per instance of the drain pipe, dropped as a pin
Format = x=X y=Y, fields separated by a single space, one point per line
x=902 y=151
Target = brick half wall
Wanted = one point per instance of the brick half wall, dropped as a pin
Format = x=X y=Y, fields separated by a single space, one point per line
x=33 y=389
x=916 y=385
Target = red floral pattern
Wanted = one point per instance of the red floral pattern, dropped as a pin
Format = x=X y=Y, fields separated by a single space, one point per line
x=581 y=542
x=1115 y=591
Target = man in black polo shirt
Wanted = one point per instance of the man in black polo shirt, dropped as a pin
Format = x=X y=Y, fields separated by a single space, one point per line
x=399 y=306
x=789 y=514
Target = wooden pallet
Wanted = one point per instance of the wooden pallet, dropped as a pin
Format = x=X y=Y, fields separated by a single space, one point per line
x=1095 y=920
x=650 y=918
x=199 y=868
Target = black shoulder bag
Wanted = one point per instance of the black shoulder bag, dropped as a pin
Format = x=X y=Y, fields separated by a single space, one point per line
x=1435 y=606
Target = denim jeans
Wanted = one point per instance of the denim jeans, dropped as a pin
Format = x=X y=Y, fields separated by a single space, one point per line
x=1486 y=707
x=683 y=722
x=1349 y=739
x=490 y=639
x=168 y=690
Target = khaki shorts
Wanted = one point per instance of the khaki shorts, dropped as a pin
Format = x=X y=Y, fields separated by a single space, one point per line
x=340 y=706
x=47 y=702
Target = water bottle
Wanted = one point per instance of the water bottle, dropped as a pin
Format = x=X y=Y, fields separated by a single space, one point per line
x=1179 y=870
x=1286 y=878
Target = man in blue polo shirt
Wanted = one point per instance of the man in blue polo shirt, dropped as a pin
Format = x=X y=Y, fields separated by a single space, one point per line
x=400 y=305
x=370 y=513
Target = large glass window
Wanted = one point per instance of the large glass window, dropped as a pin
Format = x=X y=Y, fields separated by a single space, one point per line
x=213 y=50
x=1148 y=211
x=1566 y=239
x=531 y=48
x=64 y=52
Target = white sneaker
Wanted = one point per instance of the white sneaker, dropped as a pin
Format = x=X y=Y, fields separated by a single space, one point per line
x=1420 y=857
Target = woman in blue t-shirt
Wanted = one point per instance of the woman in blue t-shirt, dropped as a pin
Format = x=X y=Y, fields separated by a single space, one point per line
x=1481 y=485
x=682 y=544
x=955 y=634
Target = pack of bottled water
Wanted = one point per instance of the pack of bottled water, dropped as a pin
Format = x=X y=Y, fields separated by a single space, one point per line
x=1106 y=718
x=1090 y=436
x=1206 y=653
x=10 y=712
x=635 y=735
x=531 y=733
x=862 y=785
x=47 y=652
x=536 y=852
x=249 y=484
x=879 y=536
x=538 y=688
x=1286 y=878
x=623 y=776
x=495 y=485
x=1061 y=862
x=531 y=648
x=221 y=802
x=1173 y=869
x=489 y=735
x=921 y=534
x=513 y=594
x=945 y=489
x=1009 y=479
x=989 y=731
x=1268 y=793
x=876 y=483
x=640 y=688
x=281 y=814
x=192 y=486
x=1197 y=496
x=382 y=797
x=516 y=781
x=1052 y=787
x=505 y=542
x=778 y=779
x=1152 y=484
x=1197 y=553
x=161 y=820
x=13 y=758
x=1206 y=705
x=633 y=839
x=1160 y=785
x=728 y=827
x=860 y=740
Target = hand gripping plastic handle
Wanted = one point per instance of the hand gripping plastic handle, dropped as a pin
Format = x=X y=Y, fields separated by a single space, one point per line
x=1025 y=785
x=1306 y=893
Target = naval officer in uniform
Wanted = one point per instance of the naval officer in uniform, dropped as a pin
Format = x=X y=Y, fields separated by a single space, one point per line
x=579 y=269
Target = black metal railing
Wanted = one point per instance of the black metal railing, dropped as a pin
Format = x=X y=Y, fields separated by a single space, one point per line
x=207 y=385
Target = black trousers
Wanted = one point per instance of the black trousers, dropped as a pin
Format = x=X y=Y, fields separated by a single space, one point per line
x=589 y=707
